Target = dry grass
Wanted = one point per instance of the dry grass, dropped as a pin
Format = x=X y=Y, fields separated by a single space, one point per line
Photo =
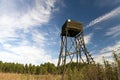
x=13 y=76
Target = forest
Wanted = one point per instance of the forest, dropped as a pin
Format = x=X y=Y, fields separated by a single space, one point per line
x=27 y=68
x=74 y=71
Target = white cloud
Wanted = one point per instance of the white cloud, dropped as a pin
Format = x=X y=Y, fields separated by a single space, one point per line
x=111 y=48
x=107 y=53
x=114 y=31
x=107 y=56
x=37 y=15
x=105 y=3
x=113 y=13
x=38 y=38
x=25 y=54
x=61 y=2
x=88 y=38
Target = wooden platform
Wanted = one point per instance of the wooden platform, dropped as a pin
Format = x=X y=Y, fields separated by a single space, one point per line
x=71 y=28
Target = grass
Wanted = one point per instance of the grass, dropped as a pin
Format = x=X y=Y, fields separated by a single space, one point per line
x=13 y=76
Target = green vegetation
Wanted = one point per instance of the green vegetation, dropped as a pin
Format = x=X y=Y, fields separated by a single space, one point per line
x=46 y=68
x=74 y=71
x=106 y=71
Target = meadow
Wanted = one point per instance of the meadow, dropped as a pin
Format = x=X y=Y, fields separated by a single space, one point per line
x=15 y=76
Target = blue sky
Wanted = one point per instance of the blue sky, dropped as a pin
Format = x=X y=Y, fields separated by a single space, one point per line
x=30 y=29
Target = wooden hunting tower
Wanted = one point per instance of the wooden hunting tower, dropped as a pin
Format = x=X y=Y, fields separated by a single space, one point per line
x=73 y=47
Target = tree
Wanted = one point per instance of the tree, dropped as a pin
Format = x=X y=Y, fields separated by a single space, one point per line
x=37 y=70
x=26 y=68
x=1 y=65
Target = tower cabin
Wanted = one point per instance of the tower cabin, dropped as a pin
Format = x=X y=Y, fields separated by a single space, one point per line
x=71 y=28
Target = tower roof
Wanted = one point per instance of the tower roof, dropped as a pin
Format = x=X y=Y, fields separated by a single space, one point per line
x=71 y=28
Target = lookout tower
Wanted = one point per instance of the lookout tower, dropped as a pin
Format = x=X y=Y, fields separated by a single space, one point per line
x=73 y=47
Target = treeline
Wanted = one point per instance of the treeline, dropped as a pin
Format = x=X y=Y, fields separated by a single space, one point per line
x=46 y=68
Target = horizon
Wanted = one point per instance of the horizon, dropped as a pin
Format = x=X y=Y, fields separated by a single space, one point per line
x=30 y=30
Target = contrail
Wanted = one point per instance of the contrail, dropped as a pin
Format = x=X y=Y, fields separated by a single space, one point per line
x=104 y=17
